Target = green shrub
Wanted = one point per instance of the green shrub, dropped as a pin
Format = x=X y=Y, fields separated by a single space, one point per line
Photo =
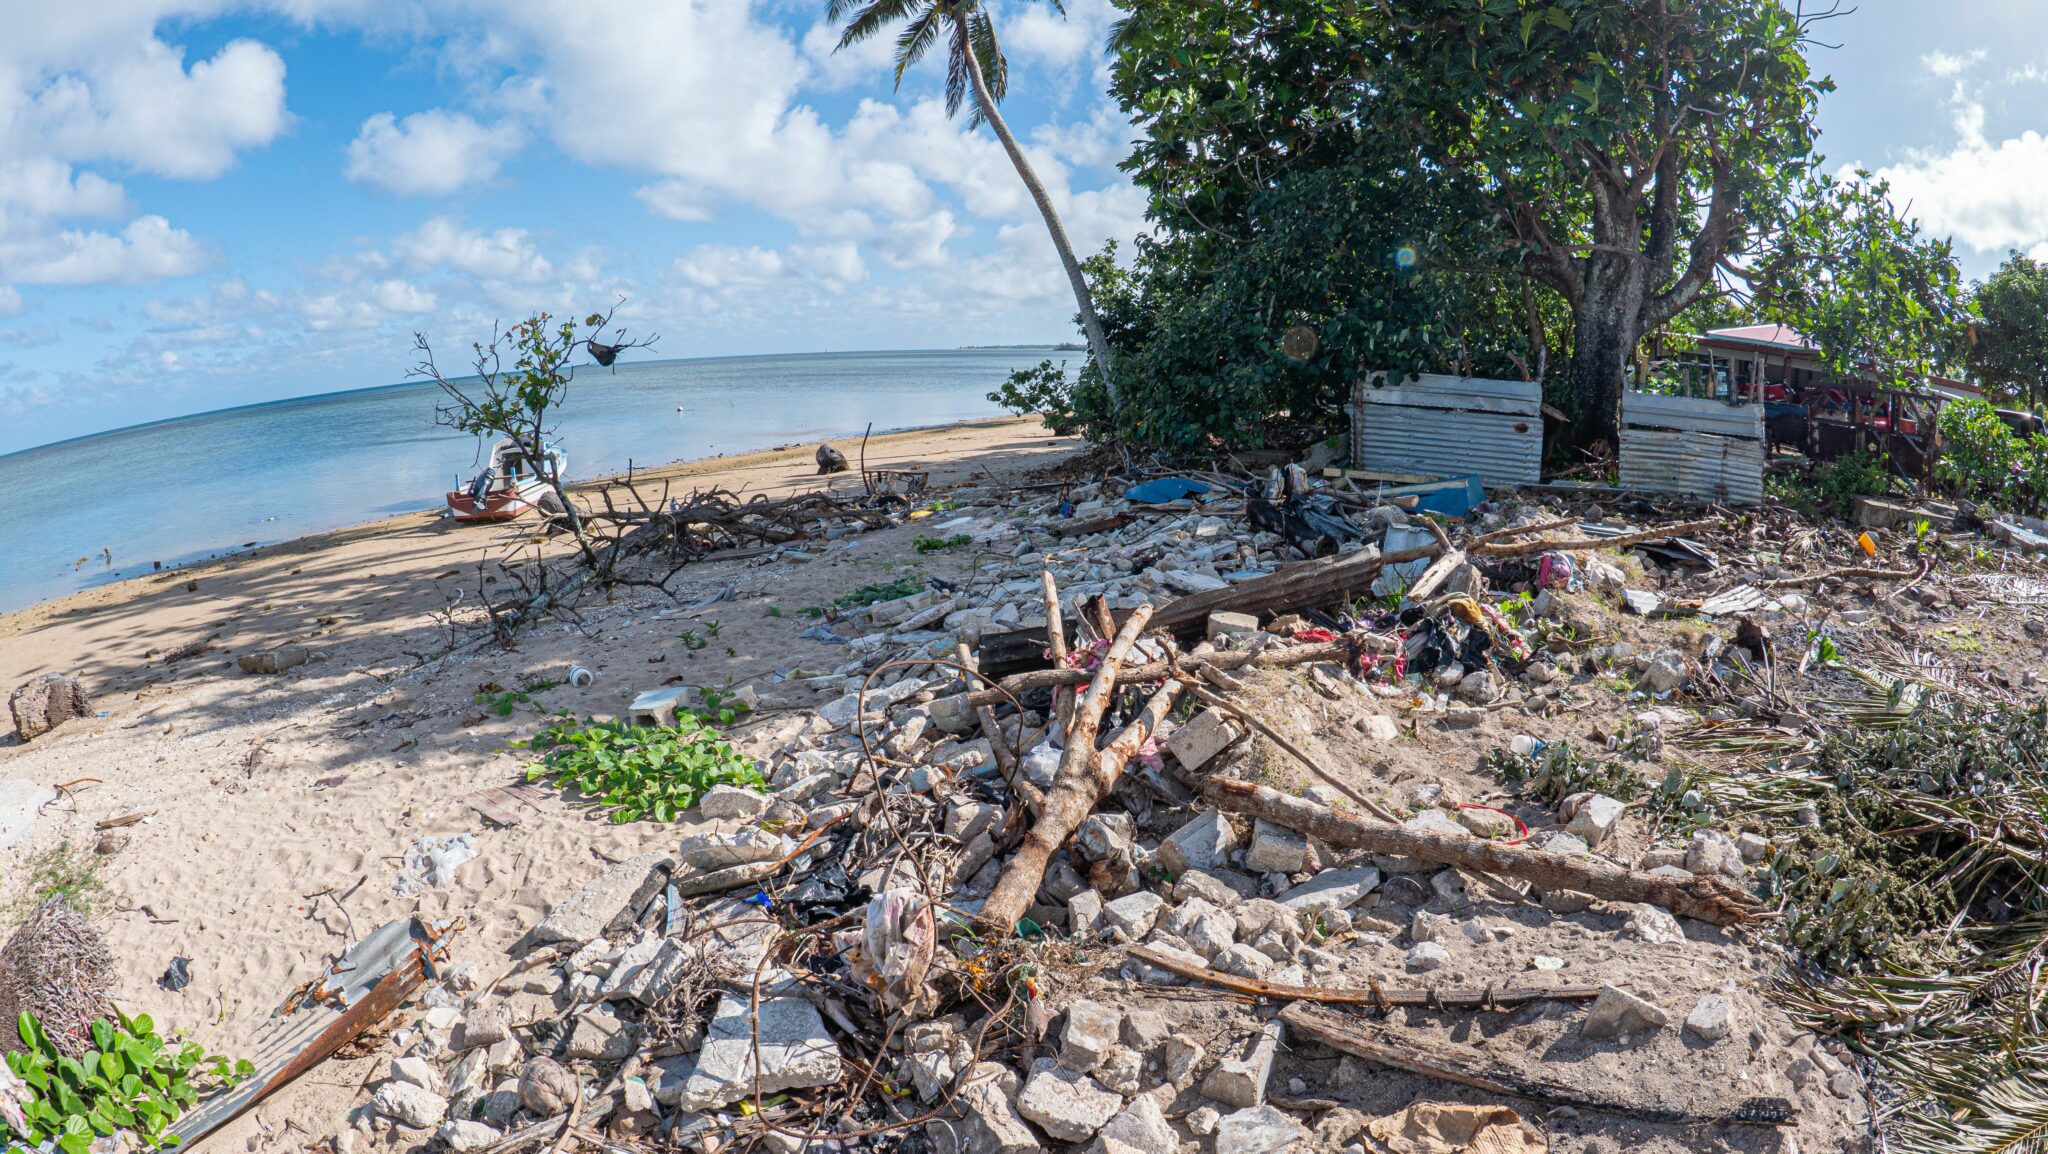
x=879 y=592
x=1978 y=454
x=131 y=1080
x=1067 y=407
x=936 y=544
x=636 y=771
x=1834 y=487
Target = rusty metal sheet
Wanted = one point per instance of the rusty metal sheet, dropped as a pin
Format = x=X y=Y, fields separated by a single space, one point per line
x=1436 y=425
x=373 y=978
x=1697 y=446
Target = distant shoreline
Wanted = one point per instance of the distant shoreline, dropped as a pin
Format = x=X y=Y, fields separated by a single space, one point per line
x=128 y=587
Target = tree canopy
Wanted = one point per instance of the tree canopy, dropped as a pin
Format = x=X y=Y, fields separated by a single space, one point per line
x=1583 y=160
x=2011 y=349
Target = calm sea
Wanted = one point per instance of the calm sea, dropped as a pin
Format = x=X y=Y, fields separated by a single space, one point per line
x=190 y=488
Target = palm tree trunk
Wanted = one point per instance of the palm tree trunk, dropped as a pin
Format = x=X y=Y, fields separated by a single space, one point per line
x=1098 y=345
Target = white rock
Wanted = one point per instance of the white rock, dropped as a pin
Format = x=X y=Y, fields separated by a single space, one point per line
x=1134 y=914
x=1091 y=1031
x=1141 y=1127
x=464 y=1136
x=1259 y=1130
x=1654 y=924
x=1596 y=819
x=1202 y=844
x=715 y=849
x=1616 y=1012
x=1275 y=849
x=409 y=1105
x=730 y=802
x=1426 y=956
x=1712 y=1018
x=1068 y=1104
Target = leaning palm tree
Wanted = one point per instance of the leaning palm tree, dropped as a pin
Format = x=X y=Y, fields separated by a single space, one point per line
x=971 y=36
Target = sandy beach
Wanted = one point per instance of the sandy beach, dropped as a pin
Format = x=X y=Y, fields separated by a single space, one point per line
x=278 y=809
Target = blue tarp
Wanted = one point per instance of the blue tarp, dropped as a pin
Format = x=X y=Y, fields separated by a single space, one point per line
x=1163 y=489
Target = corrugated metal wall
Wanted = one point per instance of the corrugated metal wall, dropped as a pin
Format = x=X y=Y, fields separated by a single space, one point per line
x=1707 y=448
x=1438 y=426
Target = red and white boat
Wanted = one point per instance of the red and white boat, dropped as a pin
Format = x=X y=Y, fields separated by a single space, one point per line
x=511 y=487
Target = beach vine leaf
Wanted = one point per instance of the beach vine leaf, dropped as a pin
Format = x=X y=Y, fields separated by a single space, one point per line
x=133 y=1079
x=654 y=772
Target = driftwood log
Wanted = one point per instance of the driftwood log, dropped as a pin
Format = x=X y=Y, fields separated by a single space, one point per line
x=1271 y=658
x=1076 y=786
x=1375 y=995
x=1524 y=548
x=1467 y=1066
x=1309 y=584
x=1708 y=899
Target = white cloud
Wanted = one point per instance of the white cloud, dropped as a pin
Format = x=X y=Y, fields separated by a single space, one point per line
x=10 y=301
x=507 y=254
x=148 y=249
x=834 y=68
x=429 y=153
x=1947 y=64
x=717 y=266
x=144 y=108
x=1983 y=193
x=402 y=297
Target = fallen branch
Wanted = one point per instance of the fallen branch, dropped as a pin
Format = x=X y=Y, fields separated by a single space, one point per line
x=1524 y=548
x=1522 y=531
x=1373 y=995
x=1075 y=788
x=1840 y=575
x=1710 y=900
x=1467 y=1066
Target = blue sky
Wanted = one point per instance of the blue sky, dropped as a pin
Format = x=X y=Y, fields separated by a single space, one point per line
x=210 y=202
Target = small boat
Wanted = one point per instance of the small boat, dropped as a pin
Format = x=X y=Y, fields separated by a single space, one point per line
x=509 y=488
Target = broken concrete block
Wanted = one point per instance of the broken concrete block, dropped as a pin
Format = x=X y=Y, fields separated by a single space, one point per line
x=730 y=803
x=1144 y=1030
x=1202 y=844
x=45 y=703
x=1596 y=818
x=717 y=849
x=1222 y=623
x=1207 y=929
x=1067 y=1104
x=466 y=1137
x=1259 y=1130
x=1712 y=1018
x=1331 y=890
x=880 y=699
x=1275 y=849
x=598 y=1036
x=1427 y=956
x=1182 y=1057
x=1243 y=960
x=1198 y=742
x=1090 y=1033
x=992 y=1125
x=952 y=713
x=1654 y=924
x=795 y=1053
x=623 y=889
x=1134 y=914
x=1242 y=1081
x=1141 y=1128
x=410 y=1105
x=275 y=660
x=1616 y=1012
x=1084 y=913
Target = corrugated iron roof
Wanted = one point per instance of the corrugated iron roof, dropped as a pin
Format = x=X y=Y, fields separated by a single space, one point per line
x=1705 y=448
x=1438 y=426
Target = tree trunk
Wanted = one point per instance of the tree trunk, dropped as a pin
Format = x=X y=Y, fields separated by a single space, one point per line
x=1098 y=345
x=1605 y=330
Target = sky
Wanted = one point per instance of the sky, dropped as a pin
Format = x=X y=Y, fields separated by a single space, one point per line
x=206 y=203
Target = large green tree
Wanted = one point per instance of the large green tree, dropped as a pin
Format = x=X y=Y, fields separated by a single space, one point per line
x=2011 y=350
x=1615 y=152
x=1863 y=284
x=976 y=70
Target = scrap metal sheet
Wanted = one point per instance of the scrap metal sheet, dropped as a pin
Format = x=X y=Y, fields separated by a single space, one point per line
x=1692 y=445
x=1435 y=425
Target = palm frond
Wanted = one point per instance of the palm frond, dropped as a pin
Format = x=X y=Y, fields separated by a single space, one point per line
x=872 y=19
x=917 y=39
x=958 y=82
x=995 y=68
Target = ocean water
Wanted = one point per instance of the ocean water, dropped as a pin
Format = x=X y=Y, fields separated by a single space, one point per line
x=193 y=487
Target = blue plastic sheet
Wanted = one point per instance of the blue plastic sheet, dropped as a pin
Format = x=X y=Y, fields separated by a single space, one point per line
x=1160 y=490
